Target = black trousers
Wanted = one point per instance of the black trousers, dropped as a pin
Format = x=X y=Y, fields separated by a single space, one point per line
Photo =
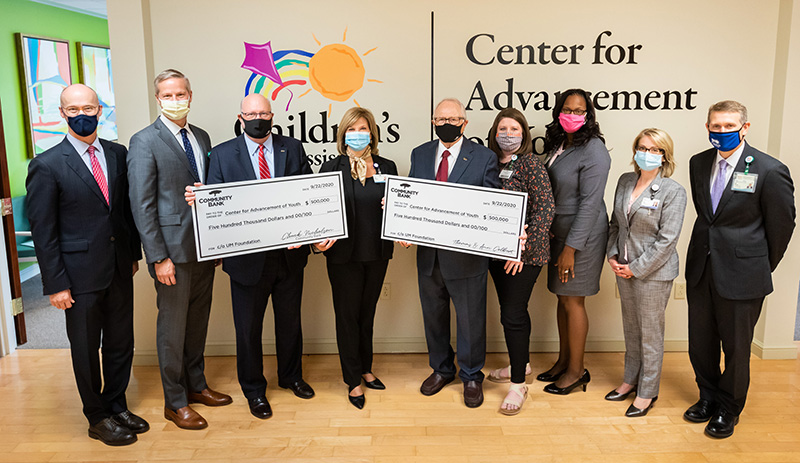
x=514 y=292
x=249 y=305
x=356 y=288
x=102 y=318
x=714 y=319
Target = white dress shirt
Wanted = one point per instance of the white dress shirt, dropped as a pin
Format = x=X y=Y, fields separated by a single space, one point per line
x=454 y=150
x=83 y=150
x=199 y=155
x=732 y=161
x=269 y=155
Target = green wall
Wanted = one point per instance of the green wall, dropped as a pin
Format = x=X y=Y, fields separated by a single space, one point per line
x=35 y=19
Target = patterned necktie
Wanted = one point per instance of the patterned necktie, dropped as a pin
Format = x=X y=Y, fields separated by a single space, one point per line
x=441 y=174
x=263 y=167
x=97 y=172
x=719 y=185
x=187 y=146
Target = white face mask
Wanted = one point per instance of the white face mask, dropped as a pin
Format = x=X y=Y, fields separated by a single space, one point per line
x=174 y=109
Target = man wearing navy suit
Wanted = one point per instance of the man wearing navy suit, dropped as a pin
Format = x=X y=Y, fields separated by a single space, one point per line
x=449 y=275
x=745 y=217
x=260 y=154
x=88 y=250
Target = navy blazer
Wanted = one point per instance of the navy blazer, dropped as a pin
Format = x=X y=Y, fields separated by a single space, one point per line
x=744 y=240
x=476 y=165
x=230 y=162
x=79 y=238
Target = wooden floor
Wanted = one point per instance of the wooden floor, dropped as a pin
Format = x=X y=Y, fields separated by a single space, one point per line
x=41 y=420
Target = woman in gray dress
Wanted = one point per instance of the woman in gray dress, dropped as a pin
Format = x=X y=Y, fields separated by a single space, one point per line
x=645 y=226
x=578 y=163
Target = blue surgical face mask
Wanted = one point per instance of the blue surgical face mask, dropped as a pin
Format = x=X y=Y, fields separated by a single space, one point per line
x=648 y=161
x=357 y=141
x=82 y=124
x=725 y=141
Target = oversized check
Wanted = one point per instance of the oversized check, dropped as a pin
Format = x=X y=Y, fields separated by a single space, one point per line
x=232 y=219
x=456 y=217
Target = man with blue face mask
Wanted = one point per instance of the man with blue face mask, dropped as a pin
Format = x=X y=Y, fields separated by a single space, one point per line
x=88 y=251
x=745 y=217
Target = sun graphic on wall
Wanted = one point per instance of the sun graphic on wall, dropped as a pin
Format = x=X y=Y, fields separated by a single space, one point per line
x=336 y=71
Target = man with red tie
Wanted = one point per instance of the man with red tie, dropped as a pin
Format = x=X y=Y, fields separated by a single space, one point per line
x=88 y=251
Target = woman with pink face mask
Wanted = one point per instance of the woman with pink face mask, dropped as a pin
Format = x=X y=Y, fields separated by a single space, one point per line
x=578 y=164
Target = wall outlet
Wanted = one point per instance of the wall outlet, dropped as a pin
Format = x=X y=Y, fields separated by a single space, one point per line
x=386 y=291
x=680 y=290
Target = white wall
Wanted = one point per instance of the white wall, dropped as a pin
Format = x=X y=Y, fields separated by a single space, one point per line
x=715 y=50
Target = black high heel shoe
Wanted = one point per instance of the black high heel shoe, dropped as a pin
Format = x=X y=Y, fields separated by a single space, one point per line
x=374 y=384
x=357 y=401
x=548 y=377
x=633 y=412
x=582 y=381
x=615 y=396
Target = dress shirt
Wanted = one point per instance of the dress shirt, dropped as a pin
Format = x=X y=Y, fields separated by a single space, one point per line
x=732 y=161
x=454 y=150
x=83 y=150
x=199 y=154
x=269 y=155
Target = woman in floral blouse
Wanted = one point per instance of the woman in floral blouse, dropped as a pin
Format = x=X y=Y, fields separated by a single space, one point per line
x=511 y=140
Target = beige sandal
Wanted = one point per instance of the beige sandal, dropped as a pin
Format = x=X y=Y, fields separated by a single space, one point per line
x=503 y=375
x=517 y=394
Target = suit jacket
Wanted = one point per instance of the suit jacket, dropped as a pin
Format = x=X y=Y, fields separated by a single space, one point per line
x=476 y=165
x=230 y=162
x=650 y=234
x=579 y=177
x=342 y=250
x=158 y=173
x=79 y=237
x=745 y=239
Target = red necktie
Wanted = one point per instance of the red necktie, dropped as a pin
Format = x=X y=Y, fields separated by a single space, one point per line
x=263 y=167
x=441 y=174
x=97 y=171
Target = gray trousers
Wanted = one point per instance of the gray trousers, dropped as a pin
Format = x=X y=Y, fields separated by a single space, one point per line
x=643 y=305
x=181 y=329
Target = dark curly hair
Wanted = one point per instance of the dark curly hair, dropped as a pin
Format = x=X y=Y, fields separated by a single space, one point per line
x=555 y=135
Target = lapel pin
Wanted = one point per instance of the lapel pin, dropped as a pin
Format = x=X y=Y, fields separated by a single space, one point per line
x=464 y=159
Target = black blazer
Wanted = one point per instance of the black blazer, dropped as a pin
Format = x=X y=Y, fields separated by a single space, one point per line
x=342 y=250
x=78 y=237
x=746 y=238
x=476 y=165
x=230 y=162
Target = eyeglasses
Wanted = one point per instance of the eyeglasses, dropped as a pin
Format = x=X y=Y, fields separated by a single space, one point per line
x=73 y=111
x=261 y=115
x=650 y=150
x=577 y=112
x=447 y=120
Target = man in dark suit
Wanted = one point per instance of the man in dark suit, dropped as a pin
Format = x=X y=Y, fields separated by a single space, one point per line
x=88 y=251
x=164 y=157
x=745 y=217
x=449 y=275
x=260 y=154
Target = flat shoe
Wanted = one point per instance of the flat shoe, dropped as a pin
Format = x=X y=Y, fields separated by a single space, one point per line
x=517 y=394
x=357 y=401
x=375 y=384
x=503 y=375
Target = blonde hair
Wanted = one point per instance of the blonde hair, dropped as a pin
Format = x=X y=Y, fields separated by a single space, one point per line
x=348 y=119
x=728 y=106
x=663 y=142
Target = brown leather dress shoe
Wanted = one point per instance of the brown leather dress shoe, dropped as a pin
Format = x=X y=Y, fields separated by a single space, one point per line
x=186 y=418
x=209 y=397
x=473 y=394
x=434 y=383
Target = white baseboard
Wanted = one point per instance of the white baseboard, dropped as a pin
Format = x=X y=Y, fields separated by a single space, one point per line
x=773 y=353
x=29 y=272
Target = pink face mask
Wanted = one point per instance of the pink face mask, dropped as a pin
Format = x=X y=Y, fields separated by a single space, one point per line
x=571 y=123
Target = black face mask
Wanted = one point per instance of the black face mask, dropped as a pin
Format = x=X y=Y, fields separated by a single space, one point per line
x=448 y=133
x=82 y=124
x=257 y=128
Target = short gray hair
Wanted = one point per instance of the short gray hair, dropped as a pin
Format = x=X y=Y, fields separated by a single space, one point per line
x=457 y=102
x=170 y=74
x=728 y=106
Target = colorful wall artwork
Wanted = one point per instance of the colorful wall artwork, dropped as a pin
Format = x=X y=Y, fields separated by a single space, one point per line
x=95 y=71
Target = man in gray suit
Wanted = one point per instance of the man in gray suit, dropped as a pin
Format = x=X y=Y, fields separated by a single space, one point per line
x=163 y=158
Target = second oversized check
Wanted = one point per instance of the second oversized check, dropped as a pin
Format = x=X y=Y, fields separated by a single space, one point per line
x=237 y=218
x=456 y=217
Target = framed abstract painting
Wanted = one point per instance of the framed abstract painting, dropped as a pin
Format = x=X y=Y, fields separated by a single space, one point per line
x=94 y=63
x=45 y=71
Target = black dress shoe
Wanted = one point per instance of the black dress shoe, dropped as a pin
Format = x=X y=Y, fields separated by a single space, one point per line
x=136 y=424
x=615 y=396
x=259 y=407
x=633 y=412
x=375 y=384
x=434 y=383
x=581 y=382
x=357 y=401
x=301 y=389
x=473 y=394
x=549 y=377
x=721 y=424
x=700 y=412
x=110 y=432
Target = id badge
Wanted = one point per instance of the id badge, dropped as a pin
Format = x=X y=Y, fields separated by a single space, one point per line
x=648 y=203
x=506 y=174
x=744 y=182
x=379 y=178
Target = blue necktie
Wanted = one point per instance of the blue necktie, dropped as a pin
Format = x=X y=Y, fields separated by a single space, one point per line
x=187 y=146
